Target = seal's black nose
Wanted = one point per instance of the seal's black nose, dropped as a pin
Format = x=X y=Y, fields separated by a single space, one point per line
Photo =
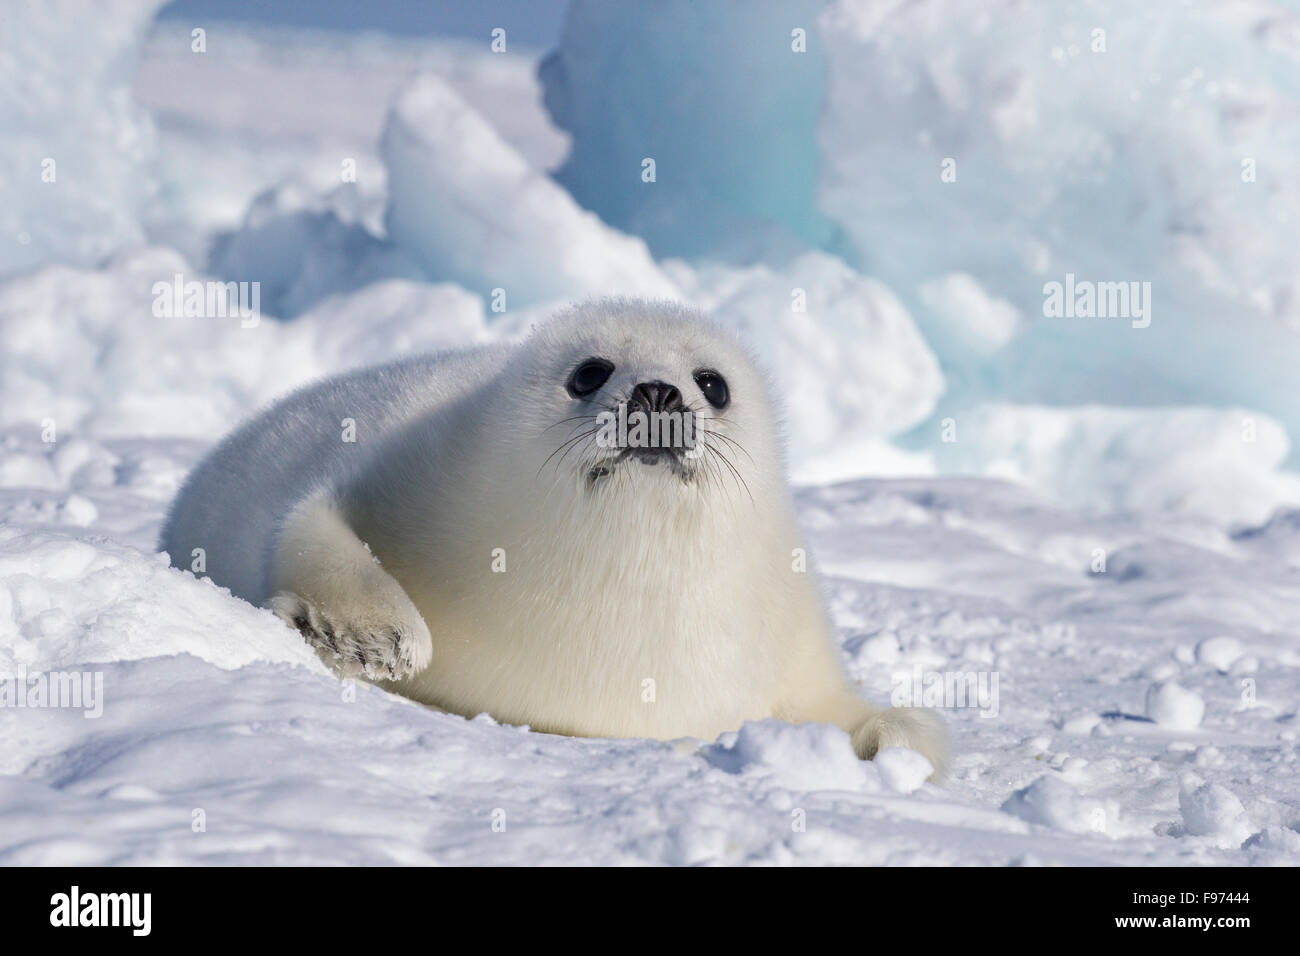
x=657 y=397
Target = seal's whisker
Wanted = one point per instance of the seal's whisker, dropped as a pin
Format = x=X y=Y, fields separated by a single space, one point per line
x=727 y=461
x=574 y=418
x=729 y=440
x=568 y=442
x=572 y=443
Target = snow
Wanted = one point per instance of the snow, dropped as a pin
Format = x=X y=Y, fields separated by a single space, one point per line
x=1215 y=812
x=1117 y=142
x=1219 y=652
x=211 y=704
x=1174 y=706
x=902 y=770
x=85 y=350
x=215 y=153
x=843 y=351
x=1051 y=802
x=800 y=758
x=469 y=208
x=628 y=82
x=968 y=322
x=77 y=150
x=1223 y=462
x=303 y=246
x=1104 y=554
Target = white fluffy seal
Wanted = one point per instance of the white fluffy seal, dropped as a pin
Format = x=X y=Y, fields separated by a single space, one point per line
x=483 y=546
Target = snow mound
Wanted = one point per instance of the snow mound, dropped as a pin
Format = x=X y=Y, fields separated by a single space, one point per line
x=850 y=366
x=1277 y=839
x=117 y=367
x=1052 y=802
x=1278 y=538
x=76 y=148
x=66 y=602
x=467 y=207
x=401 y=318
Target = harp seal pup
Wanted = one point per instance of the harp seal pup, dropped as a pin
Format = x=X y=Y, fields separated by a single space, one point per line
x=478 y=547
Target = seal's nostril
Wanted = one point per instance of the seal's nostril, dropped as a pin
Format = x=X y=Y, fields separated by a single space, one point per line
x=657 y=396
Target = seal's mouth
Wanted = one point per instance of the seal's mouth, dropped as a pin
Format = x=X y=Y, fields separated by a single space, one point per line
x=674 y=459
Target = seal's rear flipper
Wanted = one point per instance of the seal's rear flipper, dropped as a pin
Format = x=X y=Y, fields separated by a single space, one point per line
x=915 y=728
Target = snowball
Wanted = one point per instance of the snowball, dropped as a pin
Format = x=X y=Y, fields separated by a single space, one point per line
x=1219 y=652
x=878 y=649
x=1173 y=706
x=901 y=769
x=1081 y=722
x=78 y=511
x=1214 y=811
x=132 y=791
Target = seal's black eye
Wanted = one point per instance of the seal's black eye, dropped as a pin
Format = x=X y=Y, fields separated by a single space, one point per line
x=589 y=376
x=714 y=387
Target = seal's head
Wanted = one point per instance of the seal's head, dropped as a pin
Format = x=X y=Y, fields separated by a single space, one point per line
x=645 y=398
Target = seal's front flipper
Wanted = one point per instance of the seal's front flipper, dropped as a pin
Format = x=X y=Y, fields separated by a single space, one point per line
x=329 y=587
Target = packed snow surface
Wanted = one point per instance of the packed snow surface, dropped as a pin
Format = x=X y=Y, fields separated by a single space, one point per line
x=1096 y=729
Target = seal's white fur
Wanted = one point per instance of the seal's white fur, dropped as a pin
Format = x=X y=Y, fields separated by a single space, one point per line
x=636 y=605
